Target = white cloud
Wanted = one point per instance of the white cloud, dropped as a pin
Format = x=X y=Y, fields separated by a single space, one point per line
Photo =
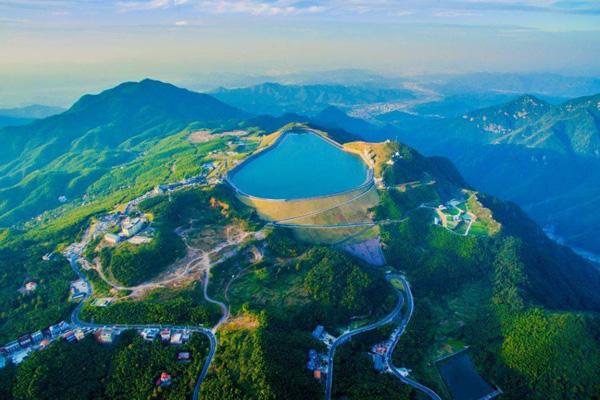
x=181 y=23
x=138 y=5
x=257 y=7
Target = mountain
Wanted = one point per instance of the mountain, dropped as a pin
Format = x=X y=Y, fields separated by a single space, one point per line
x=523 y=305
x=25 y=115
x=333 y=117
x=64 y=154
x=455 y=105
x=13 y=121
x=571 y=128
x=546 y=84
x=544 y=157
x=33 y=111
x=277 y=99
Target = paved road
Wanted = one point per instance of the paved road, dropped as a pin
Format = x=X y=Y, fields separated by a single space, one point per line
x=348 y=335
x=398 y=333
x=76 y=321
x=223 y=306
x=336 y=226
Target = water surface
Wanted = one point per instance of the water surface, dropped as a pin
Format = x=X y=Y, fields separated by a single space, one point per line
x=301 y=164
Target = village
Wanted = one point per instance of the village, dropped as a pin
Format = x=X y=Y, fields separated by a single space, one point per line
x=126 y=225
x=18 y=350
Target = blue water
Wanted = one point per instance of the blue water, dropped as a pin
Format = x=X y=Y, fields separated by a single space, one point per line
x=300 y=165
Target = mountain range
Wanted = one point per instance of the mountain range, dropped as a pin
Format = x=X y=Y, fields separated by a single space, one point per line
x=277 y=99
x=541 y=155
x=524 y=306
x=544 y=157
x=27 y=114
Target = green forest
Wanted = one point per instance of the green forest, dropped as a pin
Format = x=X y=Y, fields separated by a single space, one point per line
x=127 y=369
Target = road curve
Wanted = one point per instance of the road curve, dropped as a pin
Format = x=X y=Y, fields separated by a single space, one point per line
x=222 y=305
x=76 y=321
x=348 y=335
x=401 y=328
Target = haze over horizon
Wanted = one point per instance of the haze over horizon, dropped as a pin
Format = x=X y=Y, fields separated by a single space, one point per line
x=53 y=51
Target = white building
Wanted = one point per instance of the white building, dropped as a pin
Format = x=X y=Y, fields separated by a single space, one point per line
x=132 y=226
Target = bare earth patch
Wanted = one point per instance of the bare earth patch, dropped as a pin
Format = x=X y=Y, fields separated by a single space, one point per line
x=244 y=321
x=205 y=135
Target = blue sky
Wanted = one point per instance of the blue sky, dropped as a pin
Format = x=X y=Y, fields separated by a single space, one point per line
x=63 y=47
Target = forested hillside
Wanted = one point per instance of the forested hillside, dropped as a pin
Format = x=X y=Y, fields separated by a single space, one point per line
x=63 y=155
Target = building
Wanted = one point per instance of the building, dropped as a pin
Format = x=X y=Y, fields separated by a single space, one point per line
x=31 y=286
x=101 y=302
x=79 y=334
x=12 y=347
x=79 y=289
x=378 y=362
x=37 y=336
x=176 y=338
x=164 y=379
x=112 y=238
x=184 y=356
x=380 y=348
x=105 y=335
x=159 y=189
x=313 y=362
x=165 y=335
x=139 y=239
x=185 y=336
x=69 y=336
x=317 y=374
x=24 y=341
x=318 y=332
x=19 y=356
x=132 y=226
x=150 y=334
x=62 y=199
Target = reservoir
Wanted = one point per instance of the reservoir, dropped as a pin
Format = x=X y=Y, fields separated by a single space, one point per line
x=300 y=164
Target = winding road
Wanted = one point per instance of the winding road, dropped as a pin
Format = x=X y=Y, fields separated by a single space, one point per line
x=348 y=335
x=76 y=321
x=396 y=338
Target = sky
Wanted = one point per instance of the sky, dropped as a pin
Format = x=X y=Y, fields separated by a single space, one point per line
x=52 y=51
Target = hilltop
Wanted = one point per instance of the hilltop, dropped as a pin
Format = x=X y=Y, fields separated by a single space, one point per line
x=63 y=155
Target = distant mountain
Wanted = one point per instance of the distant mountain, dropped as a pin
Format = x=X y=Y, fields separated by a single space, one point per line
x=13 y=121
x=456 y=105
x=34 y=111
x=544 y=157
x=277 y=99
x=333 y=117
x=571 y=128
x=25 y=115
x=512 y=83
x=63 y=154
